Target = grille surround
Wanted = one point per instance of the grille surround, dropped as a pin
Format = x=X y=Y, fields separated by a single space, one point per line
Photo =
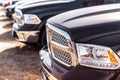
x=66 y=48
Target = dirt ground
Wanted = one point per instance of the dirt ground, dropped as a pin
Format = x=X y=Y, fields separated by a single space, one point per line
x=17 y=61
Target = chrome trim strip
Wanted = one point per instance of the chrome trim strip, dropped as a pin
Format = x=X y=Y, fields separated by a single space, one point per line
x=59 y=44
x=43 y=56
x=52 y=77
x=59 y=31
x=61 y=61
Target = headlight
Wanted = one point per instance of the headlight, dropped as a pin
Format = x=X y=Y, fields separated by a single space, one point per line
x=97 y=56
x=31 y=19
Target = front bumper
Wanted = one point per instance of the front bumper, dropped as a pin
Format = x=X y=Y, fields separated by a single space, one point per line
x=56 y=71
x=25 y=36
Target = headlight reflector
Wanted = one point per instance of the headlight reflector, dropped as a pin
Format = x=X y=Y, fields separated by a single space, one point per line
x=97 y=56
x=31 y=19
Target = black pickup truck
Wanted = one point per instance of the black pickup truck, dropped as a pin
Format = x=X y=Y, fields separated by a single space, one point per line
x=30 y=18
x=83 y=44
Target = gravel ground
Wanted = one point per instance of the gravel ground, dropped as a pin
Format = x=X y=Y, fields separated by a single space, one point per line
x=17 y=60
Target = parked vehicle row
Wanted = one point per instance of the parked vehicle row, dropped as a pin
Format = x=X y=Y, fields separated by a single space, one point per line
x=29 y=26
x=6 y=3
x=30 y=17
x=80 y=38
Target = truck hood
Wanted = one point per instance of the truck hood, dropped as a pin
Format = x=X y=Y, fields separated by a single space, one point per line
x=20 y=2
x=39 y=3
x=96 y=25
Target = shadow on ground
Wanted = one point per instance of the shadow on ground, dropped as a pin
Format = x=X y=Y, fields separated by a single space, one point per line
x=8 y=25
x=6 y=22
x=17 y=61
x=24 y=60
x=6 y=37
x=6 y=19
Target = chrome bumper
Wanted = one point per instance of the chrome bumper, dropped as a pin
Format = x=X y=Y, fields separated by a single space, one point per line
x=27 y=36
x=45 y=56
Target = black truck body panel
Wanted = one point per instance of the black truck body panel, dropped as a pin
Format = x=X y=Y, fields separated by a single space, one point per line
x=53 y=7
x=49 y=7
x=97 y=25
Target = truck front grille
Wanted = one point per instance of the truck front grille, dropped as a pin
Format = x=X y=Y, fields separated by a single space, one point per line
x=62 y=55
x=60 y=46
x=59 y=38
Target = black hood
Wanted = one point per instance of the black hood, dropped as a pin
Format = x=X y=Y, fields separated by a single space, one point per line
x=42 y=6
x=20 y=2
x=33 y=3
x=98 y=25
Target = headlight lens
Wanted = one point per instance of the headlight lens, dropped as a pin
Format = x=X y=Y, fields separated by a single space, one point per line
x=31 y=19
x=97 y=56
